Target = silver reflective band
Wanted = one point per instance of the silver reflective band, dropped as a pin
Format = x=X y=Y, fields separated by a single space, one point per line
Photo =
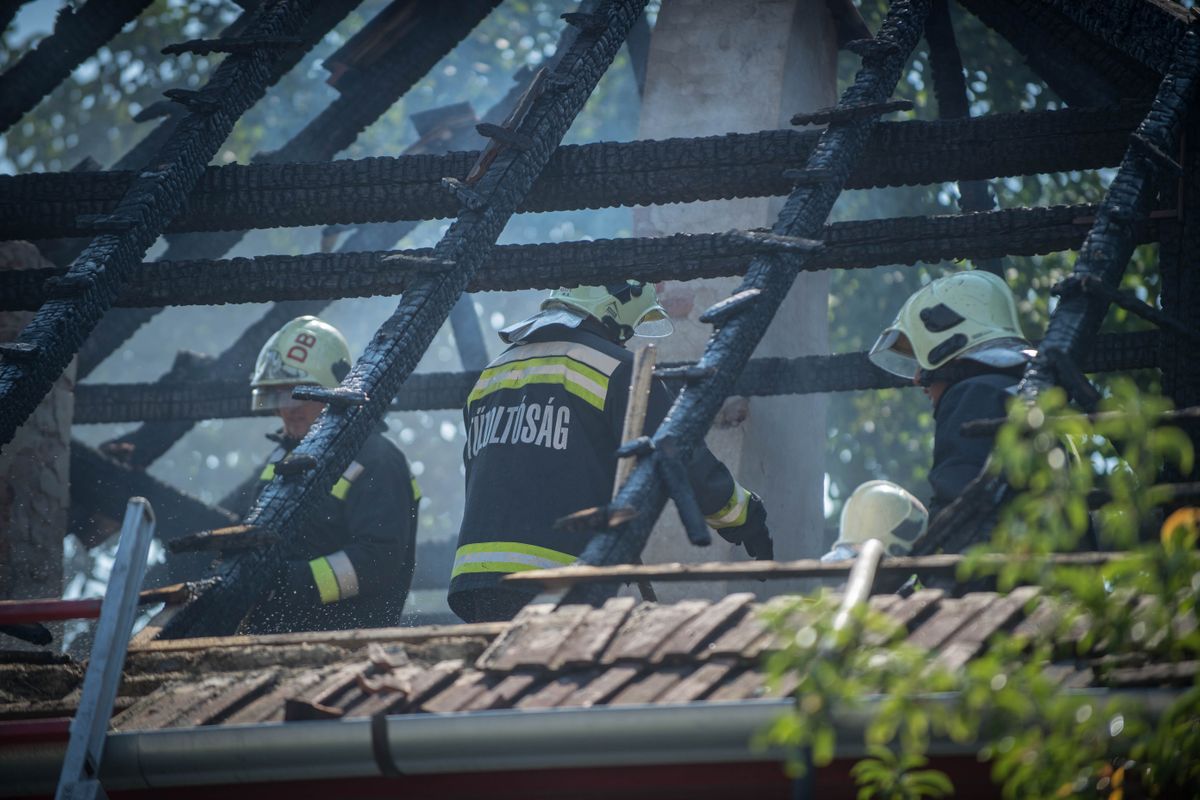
x=343 y=571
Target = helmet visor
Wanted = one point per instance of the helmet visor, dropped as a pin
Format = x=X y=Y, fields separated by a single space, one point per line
x=893 y=352
x=654 y=324
x=273 y=398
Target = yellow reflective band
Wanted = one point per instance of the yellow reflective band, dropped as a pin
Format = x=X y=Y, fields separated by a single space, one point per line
x=268 y=472
x=340 y=489
x=506 y=557
x=416 y=491
x=577 y=378
x=734 y=512
x=325 y=580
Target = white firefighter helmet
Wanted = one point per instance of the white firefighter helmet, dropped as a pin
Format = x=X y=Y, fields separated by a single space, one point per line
x=879 y=510
x=304 y=351
x=970 y=314
x=629 y=308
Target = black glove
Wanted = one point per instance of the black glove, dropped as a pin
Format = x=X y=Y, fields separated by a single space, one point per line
x=294 y=582
x=752 y=534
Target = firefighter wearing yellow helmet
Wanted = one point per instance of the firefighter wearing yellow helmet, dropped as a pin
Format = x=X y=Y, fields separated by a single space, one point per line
x=543 y=425
x=879 y=510
x=351 y=565
x=960 y=338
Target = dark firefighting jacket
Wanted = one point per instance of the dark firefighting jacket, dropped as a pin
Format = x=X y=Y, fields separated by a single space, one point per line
x=958 y=459
x=351 y=565
x=543 y=423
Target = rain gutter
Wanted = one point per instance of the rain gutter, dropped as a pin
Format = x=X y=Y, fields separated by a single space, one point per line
x=481 y=741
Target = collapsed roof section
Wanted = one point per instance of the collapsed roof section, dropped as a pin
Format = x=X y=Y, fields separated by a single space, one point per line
x=1127 y=45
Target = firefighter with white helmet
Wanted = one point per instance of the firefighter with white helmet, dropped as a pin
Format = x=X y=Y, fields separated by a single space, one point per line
x=543 y=422
x=351 y=565
x=879 y=510
x=960 y=338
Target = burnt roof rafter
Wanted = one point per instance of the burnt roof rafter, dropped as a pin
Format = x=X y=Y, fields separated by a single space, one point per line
x=1110 y=242
x=97 y=403
x=551 y=104
x=593 y=175
x=156 y=195
x=847 y=245
x=418 y=34
x=772 y=276
x=77 y=35
x=1079 y=68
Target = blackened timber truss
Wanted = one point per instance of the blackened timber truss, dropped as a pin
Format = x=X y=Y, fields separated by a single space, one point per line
x=1109 y=244
x=554 y=99
x=848 y=245
x=598 y=175
x=77 y=35
x=170 y=403
x=741 y=321
x=48 y=343
x=418 y=33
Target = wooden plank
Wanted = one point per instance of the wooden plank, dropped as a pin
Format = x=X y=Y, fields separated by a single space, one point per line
x=883 y=603
x=1182 y=673
x=969 y=640
x=787 y=684
x=650 y=686
x=744 y=685
x=647 y=627
x=692 y=635
x=457 y=695
x=351 y=640
x=593 y=634
x=951 y=615
x=604 y=686
x=535 y=641
x=506 y=692
x=700 y=682
x=512 y=635
x=153 y=627
x=941 y=564
x=1040 y=622
x=558 y=690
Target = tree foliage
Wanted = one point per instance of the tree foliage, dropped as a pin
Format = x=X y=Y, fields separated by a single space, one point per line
x=1041 y=740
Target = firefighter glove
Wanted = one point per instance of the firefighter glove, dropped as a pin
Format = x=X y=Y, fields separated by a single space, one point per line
x=753 y=533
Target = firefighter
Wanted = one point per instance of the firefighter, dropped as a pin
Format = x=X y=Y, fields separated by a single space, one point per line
x=879 y=510
x=543 y=424
x=960 y=339
x=351 y=565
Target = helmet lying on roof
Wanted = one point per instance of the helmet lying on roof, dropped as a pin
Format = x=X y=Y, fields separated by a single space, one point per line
x=969 y=314
x=626 y=309
x=304 y=351
x=879 y=510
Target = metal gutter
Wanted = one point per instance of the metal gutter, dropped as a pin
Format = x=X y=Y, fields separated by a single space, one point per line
x=482 y=741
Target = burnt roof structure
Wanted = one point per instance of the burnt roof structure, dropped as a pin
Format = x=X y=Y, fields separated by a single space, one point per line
x=1138 y=59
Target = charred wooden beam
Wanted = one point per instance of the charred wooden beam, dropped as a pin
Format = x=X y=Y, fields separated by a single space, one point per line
x=101 y=486
x=1147 y=31
x=377 y=66
x=1109 y=244
x=1079 y=68
x=844 y=372
x=598 y=175
x=803 y=216
x=847 y=245
x=78 y=33
x=337 y=435
x=152 y=200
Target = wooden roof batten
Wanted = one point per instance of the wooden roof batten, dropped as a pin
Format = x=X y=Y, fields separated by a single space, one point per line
x=551 y=104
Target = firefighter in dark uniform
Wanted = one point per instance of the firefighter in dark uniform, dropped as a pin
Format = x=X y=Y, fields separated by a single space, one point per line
x=351 y=566
x=543 y=425
x=960 y=339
